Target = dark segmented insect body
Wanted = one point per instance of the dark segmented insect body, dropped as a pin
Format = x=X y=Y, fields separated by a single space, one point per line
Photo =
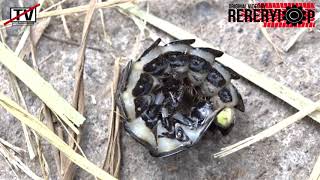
x=173 y=93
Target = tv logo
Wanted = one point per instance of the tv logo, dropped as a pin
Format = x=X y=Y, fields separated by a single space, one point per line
x=23 y=15
x=275 y=15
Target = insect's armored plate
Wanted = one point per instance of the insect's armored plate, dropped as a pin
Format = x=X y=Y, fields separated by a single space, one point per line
x=173 y=93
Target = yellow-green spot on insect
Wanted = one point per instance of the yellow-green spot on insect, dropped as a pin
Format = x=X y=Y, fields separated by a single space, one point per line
x=225 y=118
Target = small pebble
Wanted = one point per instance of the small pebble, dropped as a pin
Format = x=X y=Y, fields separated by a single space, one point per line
x=240 y=30
x=89 y=70
x=265 y=58
x=258 y=35
x=93 y=99
x=302 y=60
x=203 y=10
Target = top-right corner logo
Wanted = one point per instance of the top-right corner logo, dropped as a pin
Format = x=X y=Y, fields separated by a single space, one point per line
x=274 y=14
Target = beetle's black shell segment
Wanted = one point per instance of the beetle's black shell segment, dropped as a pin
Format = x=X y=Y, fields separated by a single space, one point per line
x=181 y=119
x=240 y=104
x=143 y=86
x=179 y=60
x=215 y=52
x=202 y=111
x=198 y=64
x=156 y=66
x=184 y=41
x=155 y=44
x=172 y=94
x=142 y=104
x=181 y=135
x=215 y=78
x=225 y=95
x=151 y=113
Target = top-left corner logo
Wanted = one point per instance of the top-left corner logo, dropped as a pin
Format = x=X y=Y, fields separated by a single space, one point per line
x=23 y=15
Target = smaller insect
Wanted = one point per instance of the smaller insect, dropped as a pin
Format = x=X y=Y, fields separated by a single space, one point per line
x=173 y=93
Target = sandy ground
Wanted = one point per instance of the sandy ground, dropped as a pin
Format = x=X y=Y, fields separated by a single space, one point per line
x=290 y=154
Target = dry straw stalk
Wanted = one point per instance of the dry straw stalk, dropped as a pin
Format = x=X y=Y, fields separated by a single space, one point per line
x=35 y=124
x=41 y=88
